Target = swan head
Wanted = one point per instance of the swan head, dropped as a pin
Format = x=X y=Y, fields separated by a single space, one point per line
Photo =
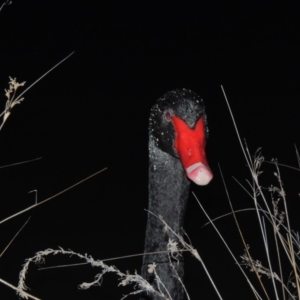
x=178 y=126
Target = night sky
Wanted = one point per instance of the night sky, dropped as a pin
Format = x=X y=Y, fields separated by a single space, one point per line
x=92 y=111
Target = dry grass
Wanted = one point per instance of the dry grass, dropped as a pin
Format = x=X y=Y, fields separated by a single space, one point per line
x=271 y=210
x=270 y=205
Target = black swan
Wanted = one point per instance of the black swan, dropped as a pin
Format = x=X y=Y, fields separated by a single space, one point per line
x=177 y=137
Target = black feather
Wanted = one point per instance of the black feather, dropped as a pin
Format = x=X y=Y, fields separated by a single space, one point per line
x=168 y=185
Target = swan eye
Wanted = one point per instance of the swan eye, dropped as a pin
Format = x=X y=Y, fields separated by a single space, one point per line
x=168 y=116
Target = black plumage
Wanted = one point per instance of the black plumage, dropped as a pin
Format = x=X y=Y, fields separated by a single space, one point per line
x=168 y=184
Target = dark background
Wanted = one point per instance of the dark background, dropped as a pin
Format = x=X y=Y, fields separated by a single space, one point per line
x=92 y=112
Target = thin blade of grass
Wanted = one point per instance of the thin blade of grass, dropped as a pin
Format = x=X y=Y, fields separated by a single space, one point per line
x=20 y=163
x=4 y=250
x=229 y=250
x=48 y=199
x=16 y=289
x=40 y=78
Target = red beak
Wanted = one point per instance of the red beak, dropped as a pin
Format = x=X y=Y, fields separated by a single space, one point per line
x=190 y=146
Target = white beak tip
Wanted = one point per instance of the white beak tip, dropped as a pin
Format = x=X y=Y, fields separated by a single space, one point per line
x=199 y=173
